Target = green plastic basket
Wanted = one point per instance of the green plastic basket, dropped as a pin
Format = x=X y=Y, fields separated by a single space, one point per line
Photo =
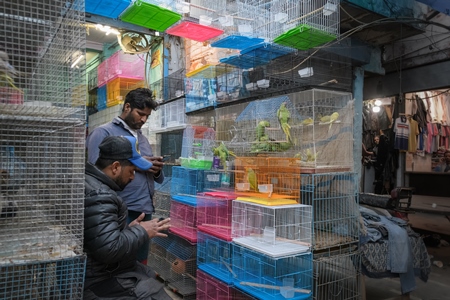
x=304 y=37
x=150 y=16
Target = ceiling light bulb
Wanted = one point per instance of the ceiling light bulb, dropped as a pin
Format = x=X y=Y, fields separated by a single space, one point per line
x=376 y=109
x=378 y=102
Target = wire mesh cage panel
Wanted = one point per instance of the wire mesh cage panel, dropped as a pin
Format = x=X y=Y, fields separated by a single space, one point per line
x=335 y=204
x=274 y=178
x=183 y=218
x=92 y=79
x=53 y=279
x=173 y=114
x=214 y=213
x=174 y=85
x=157 y=259
x=325 y=134
x=337 y=275
x=183 y=266
x=274 y=230
x=264 y=125
x=214 y=257
x=42 y=165
x=189 y=182
x=42 y=149
x=104 y=116
x=163 y=201
x=229 y=85
x=266 y=277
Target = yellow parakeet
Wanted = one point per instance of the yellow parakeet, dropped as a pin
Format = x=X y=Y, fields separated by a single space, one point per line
x=251 y=178
x=334 y=116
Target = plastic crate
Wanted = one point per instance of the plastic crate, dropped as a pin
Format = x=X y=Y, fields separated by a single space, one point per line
x=266 y=277
x=183 y=220
x=101 y=98
x=274 y=230
x=118 y=88
x=214 y=257
x=150 y=16
x=214 y=214
x=107 y=8
x=125 y=65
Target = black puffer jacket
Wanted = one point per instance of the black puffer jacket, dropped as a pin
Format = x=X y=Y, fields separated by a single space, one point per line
x=110 y=244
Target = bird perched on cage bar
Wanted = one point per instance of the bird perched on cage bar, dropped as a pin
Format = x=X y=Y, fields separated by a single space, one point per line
x=283 y=115
x=7 y=72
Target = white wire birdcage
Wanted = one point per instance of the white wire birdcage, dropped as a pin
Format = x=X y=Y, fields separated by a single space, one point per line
x=42 y=131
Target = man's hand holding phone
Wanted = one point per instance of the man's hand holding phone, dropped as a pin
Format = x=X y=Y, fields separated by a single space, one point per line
x=157 y=162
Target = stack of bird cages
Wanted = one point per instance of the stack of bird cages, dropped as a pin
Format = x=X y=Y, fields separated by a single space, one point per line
x=42 y=153
x=324 y=134
x=337 y=274
x=334 y=199
x=274 y=179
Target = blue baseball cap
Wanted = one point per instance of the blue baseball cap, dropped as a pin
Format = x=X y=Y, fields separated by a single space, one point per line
x=123 y=147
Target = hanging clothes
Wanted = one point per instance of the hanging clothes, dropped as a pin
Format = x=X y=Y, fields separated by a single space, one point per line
x=401 y=129
x=413 y=134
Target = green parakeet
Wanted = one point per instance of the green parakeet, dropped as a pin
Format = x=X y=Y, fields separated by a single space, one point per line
x=224 y=154
x=251 y=178
x=284 y=115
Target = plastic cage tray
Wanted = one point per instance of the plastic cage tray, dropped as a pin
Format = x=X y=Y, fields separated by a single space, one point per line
x=193 y=31
x=150 y=16
x=257 y=55
x=237 y=42
x=107 y=8
x=304 y=37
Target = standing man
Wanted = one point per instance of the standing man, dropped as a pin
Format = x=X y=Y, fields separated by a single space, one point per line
x=111 y=246
x=138 y=195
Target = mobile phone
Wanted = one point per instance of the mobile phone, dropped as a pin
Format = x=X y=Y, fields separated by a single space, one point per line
x=165 y=157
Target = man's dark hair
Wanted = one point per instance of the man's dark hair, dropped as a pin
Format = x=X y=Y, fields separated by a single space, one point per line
x=102 y=163
x=141 y=98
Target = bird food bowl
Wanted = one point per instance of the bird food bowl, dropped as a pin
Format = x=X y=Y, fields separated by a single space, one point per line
x=243 y=186
x=263 y=83
x=265 y=188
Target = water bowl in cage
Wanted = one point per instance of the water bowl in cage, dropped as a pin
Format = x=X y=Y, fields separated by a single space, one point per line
x=263 y=83
x=243 y=186
x=265 y=188
x=287 y=290
x=251 y=86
